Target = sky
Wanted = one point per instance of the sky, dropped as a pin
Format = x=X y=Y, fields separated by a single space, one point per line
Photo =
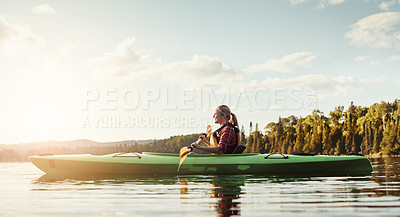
x=129 y=70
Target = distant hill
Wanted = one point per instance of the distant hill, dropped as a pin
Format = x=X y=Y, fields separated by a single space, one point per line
x=70 y=144
x=21 y=152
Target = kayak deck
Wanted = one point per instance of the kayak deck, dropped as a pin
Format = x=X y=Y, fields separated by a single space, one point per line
x=159 y=163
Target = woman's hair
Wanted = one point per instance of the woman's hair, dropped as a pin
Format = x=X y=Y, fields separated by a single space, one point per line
x=225 y=111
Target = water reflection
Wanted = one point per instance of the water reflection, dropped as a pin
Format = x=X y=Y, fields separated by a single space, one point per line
x=387 y=175
x=227 y=190
x=107 y=179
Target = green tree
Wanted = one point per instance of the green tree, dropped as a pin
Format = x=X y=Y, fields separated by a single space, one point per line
x=242 y=136
x=300 y=135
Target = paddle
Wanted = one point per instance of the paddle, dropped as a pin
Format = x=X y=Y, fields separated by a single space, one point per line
x=184 y=152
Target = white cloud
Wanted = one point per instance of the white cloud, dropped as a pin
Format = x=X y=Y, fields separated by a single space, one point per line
x=122 y=61
x=296 y=2
x=334 y=63
x=17 y=38
x=374 y=63
x=26 y=56
x=377 y=31
x=365 y=58
x=321 y=3
x=326 y=3
x=361 y=58
x=393 y=58
x=126 y=63
x=375 y=80
x=199 y=67
x=287 y=63
x=43 y=9
x=386 y=5
x=329 y=85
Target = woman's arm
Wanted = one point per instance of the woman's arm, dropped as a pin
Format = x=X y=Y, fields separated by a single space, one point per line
x=207 y=149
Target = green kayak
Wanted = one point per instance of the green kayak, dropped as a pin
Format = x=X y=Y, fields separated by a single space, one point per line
x=167 y=164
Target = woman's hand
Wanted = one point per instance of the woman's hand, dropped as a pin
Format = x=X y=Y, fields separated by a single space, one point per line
x=194 y=145
x=203 y=138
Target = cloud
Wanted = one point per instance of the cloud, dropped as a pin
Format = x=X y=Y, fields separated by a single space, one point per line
x=377 y=31
x=374 y=63
x=126 y=63
x=326 y=85
x=296 y=2
x=326 y=3
x=365 y=58
x=17 y=38
x=200 y=67
x=321 y=3
x=393 y=58
x=334 y=63
x=361 y=58
x=26 y=56
x=375 y=80
x=287 y=63
x=386 y=5
x=122 y=61
x=43 y=9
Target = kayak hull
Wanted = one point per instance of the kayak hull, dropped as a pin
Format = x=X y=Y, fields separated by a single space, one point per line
x=167 y=164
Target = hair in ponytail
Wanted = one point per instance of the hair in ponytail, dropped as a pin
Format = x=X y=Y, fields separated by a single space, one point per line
x=225 y=111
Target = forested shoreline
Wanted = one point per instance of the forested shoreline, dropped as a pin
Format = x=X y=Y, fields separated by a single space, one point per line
x=370 y=130
x=357 y=130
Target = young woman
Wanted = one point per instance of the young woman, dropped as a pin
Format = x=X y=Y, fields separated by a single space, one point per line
x=227 y=137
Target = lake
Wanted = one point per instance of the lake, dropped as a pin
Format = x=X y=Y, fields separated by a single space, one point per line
x=26 y=191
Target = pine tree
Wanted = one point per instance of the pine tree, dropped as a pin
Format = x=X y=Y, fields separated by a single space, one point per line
x=250 y=139
x=326 y=142
x=267 y=145
x=298 y=146
x=278 y=137
x=242 y=136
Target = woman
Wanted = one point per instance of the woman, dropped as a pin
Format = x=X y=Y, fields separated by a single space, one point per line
x=227 y=136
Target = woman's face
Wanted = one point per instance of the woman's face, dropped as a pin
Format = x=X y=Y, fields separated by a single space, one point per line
x=218 y=117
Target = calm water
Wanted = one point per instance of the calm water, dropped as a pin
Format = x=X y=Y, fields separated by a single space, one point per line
x=26 y=191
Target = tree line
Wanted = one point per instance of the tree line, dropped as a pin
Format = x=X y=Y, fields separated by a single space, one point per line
x=361 y=130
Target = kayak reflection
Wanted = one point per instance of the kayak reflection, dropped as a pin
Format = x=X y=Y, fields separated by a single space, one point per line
x=106 y=179
x=226 y=189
